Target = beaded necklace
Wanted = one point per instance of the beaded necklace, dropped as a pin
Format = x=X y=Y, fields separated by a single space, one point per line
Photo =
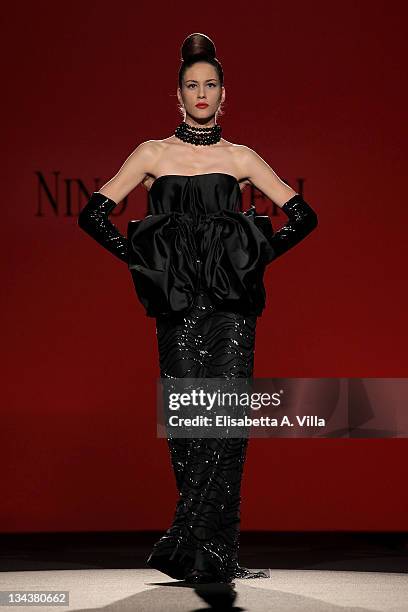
x=198 y=136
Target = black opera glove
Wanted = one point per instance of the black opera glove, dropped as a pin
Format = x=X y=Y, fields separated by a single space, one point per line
x=93 y=219
x=302 y=221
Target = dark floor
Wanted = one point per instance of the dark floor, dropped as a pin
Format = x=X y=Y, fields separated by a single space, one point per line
x=352 y=551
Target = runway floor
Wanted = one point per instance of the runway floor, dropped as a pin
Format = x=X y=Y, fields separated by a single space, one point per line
x=308 y=572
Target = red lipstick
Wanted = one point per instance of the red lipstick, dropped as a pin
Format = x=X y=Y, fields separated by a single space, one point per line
x=202 y=105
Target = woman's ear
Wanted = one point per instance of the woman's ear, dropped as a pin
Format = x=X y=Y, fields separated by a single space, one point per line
x=179 y=97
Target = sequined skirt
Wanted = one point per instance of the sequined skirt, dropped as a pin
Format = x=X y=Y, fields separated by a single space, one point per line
x=208 y=471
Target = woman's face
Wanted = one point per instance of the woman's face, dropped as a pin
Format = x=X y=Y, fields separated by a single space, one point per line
x=201 y=85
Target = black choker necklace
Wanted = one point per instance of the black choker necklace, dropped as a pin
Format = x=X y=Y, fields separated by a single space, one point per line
x=198 y=136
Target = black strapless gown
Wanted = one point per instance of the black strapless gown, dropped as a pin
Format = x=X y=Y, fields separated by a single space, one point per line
x=197 y=264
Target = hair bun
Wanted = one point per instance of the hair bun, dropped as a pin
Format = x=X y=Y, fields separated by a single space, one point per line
x=197 y=44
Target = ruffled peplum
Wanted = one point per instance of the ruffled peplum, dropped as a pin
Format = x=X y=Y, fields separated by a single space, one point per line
x=174 y=255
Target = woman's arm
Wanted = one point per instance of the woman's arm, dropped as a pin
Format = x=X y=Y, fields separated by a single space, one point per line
x=94 y=217
x=302 y=218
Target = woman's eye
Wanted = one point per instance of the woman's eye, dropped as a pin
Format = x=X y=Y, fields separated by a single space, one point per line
x=191 y=85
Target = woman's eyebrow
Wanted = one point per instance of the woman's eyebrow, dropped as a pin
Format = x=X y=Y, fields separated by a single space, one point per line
x=194 y=81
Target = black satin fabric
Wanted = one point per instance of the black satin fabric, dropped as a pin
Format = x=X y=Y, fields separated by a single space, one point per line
x=195 y=226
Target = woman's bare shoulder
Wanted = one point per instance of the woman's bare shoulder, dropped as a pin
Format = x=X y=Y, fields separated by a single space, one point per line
x=239 y=154
x=159 y=143
x=151 y=147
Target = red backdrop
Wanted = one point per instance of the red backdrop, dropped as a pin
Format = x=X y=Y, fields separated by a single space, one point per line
x=318 y=90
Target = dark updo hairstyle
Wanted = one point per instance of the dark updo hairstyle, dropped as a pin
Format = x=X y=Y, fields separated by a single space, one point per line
x=198 y=47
